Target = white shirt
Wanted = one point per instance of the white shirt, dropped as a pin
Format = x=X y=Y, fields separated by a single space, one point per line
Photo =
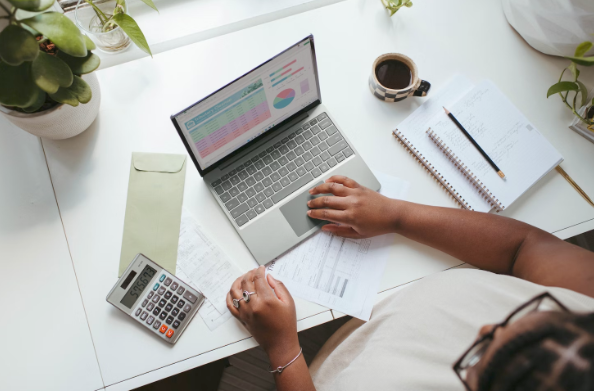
x=415 y=336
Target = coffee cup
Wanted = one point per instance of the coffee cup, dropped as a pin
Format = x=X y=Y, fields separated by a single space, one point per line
x=395 y=77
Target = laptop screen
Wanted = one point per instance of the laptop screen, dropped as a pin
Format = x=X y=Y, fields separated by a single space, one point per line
x=251 y=105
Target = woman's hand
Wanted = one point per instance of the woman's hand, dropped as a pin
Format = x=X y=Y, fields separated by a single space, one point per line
x=269 y=315
x=361 y=212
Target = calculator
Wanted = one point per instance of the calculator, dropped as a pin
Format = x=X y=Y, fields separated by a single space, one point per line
x=156 y=299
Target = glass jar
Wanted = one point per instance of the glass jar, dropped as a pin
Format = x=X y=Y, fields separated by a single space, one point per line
x=112 y=41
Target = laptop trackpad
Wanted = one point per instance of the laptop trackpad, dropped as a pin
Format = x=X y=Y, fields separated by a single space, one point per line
x=296 y=212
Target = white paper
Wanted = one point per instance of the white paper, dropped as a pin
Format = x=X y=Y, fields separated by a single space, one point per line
x=339 y=273
x=202 y=264
x=505 y=134
x=208 y=312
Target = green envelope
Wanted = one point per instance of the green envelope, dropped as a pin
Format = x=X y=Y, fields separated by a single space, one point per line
x=153 y=209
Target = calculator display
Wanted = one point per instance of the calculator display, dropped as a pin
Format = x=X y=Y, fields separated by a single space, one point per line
x=138 y=287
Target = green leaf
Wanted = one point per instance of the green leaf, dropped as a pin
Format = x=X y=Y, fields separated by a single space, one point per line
x=17 y=45
x=50 y=73
x=583 y=48
x=574 y=70
x=61 y=31
x=81 y=90
x=561 y=87
x=585 y=61
x=64 y=95
x=16 y=85
x=150 y=4
x=81 y=65
x=584 y=92
x=37 y=104
x=133 y=31
x=89 y=42
x=32 y=5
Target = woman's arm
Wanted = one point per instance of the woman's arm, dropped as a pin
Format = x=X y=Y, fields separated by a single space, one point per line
x=488 y=241
x=270 y=317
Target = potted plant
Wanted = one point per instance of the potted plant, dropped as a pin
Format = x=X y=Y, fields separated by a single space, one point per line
x=573 y=92
x=47 y=87
x=45 y=72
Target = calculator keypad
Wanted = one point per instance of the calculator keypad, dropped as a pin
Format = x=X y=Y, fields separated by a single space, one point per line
x=165 y=307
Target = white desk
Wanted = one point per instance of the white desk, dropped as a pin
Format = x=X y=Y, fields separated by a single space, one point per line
x=46 y=344
x=90 y=172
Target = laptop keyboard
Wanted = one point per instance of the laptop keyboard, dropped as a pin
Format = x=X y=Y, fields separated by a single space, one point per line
x=280 y=170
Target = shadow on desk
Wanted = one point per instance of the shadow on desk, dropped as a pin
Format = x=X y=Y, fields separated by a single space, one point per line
x=204 y=378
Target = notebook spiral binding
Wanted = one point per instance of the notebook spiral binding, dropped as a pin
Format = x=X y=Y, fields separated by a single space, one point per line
x=431 y=170
x=483 y=190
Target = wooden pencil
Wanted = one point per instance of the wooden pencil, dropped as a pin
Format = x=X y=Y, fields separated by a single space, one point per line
x=478 y=147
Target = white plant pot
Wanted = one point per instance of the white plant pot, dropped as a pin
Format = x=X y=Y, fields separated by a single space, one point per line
x=554 y=27
x=62 y=121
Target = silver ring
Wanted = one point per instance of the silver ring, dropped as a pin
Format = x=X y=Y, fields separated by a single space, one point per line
x=236 y=302
x=246 y=296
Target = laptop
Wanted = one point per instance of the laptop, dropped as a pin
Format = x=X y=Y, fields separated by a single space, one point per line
x=262 y=141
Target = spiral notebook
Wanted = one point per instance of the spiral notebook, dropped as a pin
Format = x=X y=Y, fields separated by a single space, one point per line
x=506 y=135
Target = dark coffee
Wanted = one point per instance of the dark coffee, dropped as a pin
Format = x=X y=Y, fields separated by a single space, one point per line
x=393 y=74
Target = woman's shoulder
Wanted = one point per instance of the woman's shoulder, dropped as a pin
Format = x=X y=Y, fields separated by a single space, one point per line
x=465 y=284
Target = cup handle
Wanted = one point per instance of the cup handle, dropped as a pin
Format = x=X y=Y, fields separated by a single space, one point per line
x=422 y=89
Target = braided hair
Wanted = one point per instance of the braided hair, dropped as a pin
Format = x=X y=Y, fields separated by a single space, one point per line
x=556 y=356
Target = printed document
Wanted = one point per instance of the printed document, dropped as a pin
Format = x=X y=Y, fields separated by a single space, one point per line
x=202 y=264
x=339 y=273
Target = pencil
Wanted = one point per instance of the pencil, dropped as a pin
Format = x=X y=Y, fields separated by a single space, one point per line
x=478 y=147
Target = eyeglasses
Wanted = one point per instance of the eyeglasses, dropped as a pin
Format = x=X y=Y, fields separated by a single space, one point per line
x=542 y=302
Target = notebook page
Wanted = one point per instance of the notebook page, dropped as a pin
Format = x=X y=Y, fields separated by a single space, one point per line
x=415 y=126
x=505 y=134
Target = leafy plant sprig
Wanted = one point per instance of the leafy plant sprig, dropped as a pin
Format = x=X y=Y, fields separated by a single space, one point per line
x=564 y=87
x=42 y=59
x=119 y=18
x=394 y=5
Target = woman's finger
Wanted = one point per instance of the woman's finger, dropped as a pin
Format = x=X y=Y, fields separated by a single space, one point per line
x=338 y=189
x=235 y=290
x=262 y=288
x=247 y=282
x=331 y=202
x=280 y=289
x=341 y=230
x=335 y=216
x=230 y=306
x=346 y=181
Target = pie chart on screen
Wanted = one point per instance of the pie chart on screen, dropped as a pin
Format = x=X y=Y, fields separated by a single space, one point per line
x=284 y=98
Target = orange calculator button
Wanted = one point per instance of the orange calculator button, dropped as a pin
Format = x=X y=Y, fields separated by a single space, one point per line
x=163 y=329
x=169 y=333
